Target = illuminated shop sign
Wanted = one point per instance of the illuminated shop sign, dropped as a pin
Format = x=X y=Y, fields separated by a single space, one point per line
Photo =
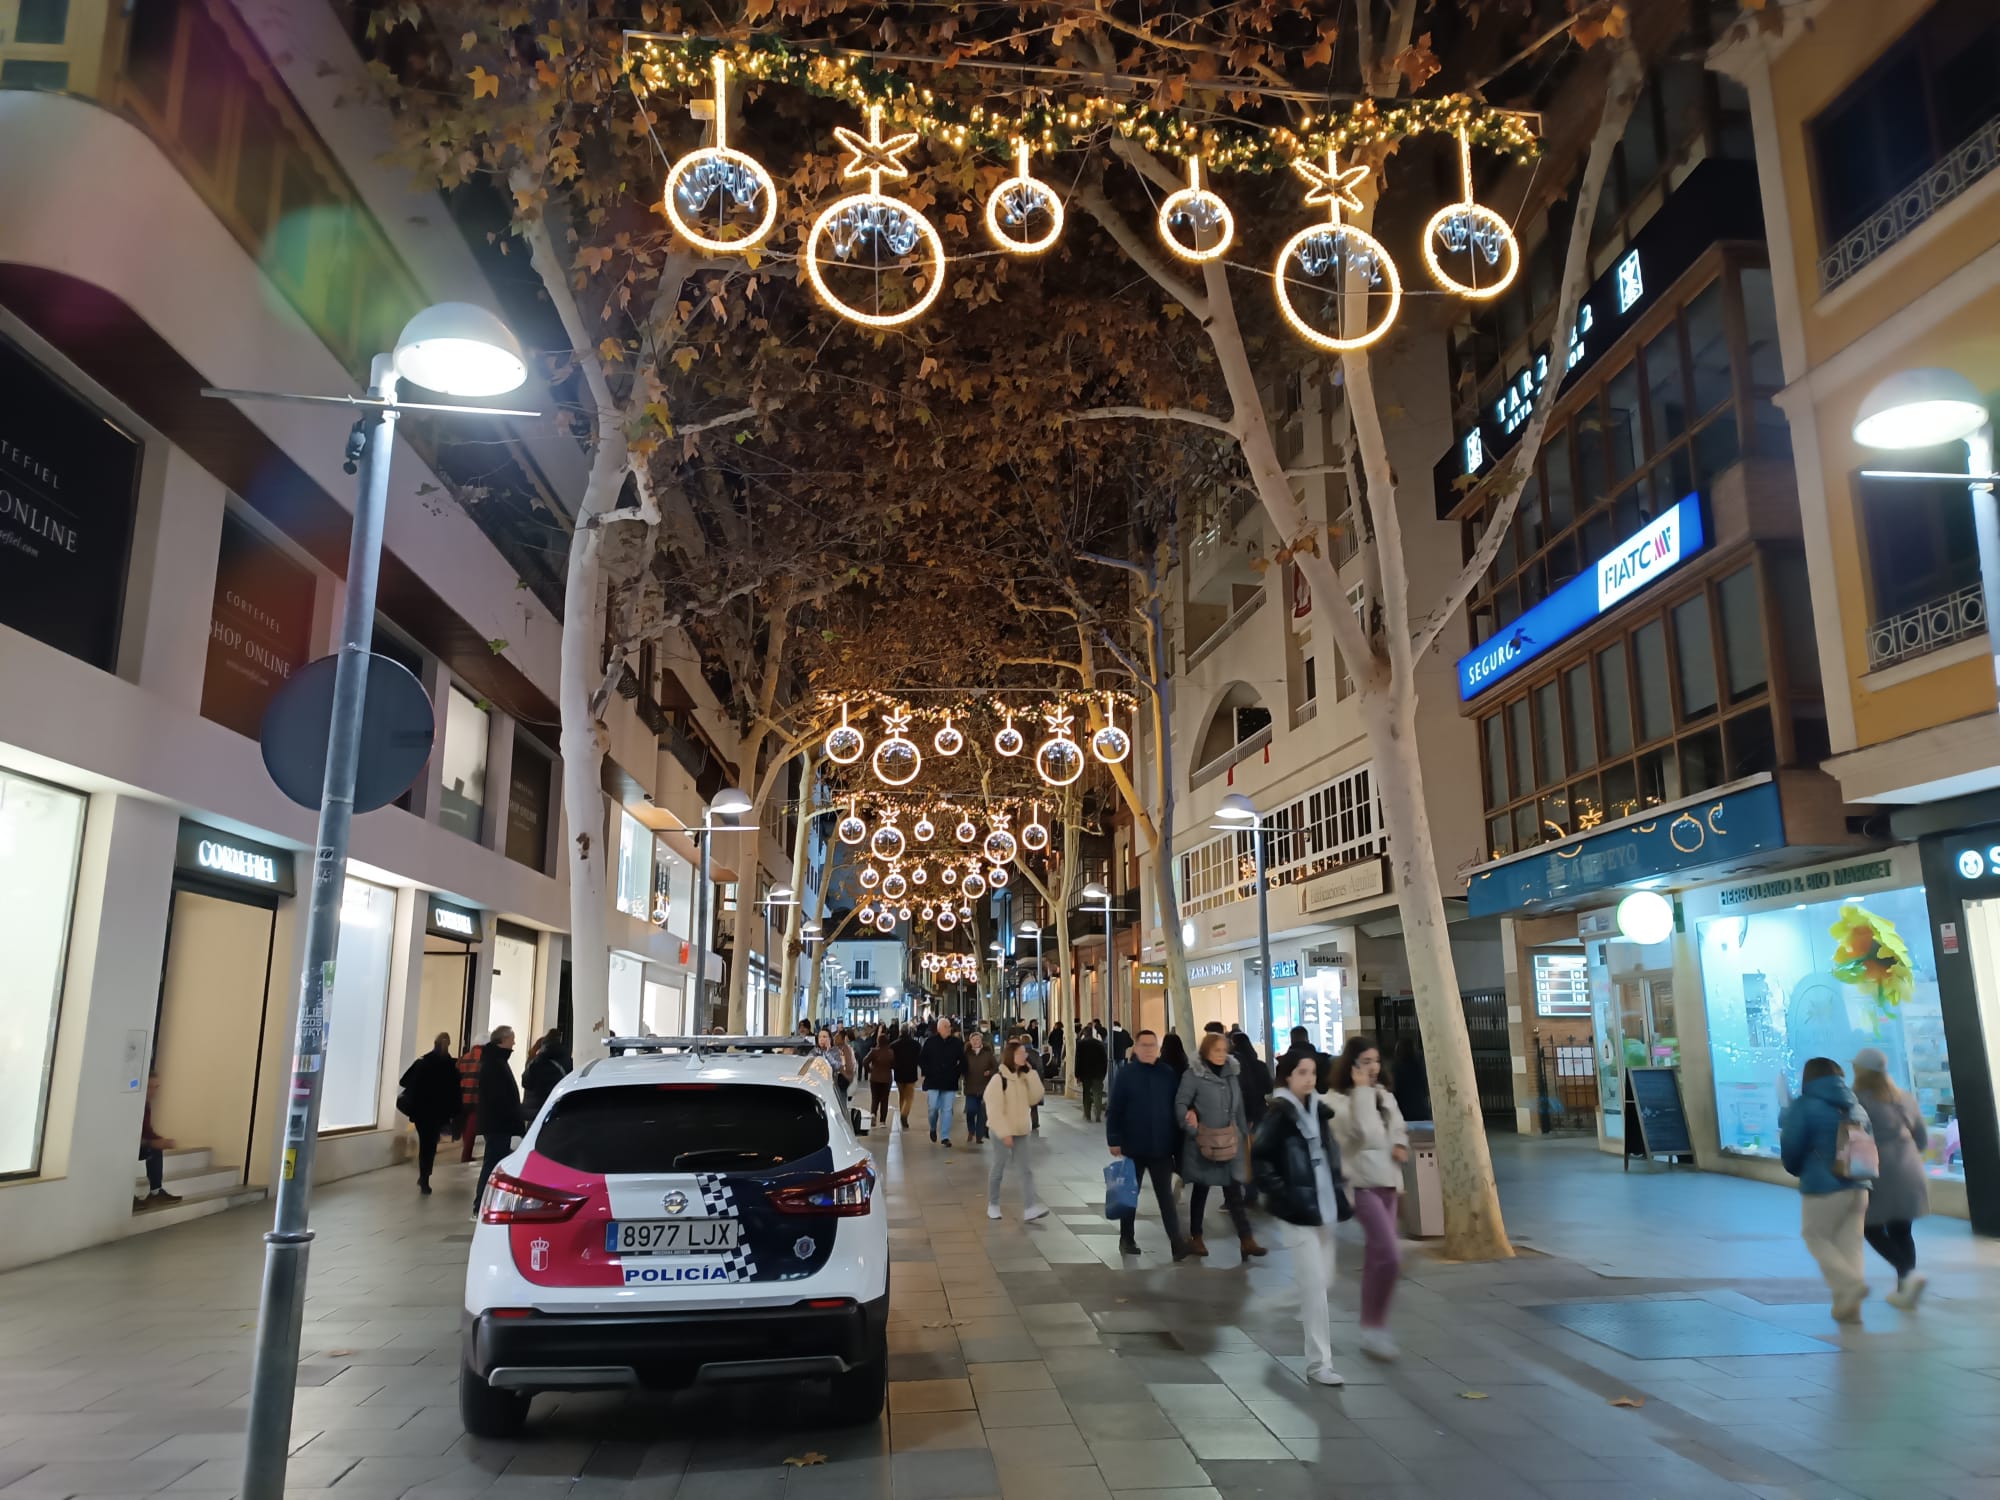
x=447 y=920
x=1648 y=554
x=213 y=855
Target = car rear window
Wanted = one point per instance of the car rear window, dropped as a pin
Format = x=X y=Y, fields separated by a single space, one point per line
x=682 y=1128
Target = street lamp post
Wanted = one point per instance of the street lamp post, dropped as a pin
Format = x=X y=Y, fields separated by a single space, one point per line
x=1098 y=890
x=729 y=802
x=1928 y=408
x=779 y=895
x=1032 y=928
x=1237 y=808
x=460 y=350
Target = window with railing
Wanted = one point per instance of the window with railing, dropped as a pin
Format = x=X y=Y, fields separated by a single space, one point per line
x=1922 y=560
x=1908 y=136
x=1333 y=825
x=1677 y=702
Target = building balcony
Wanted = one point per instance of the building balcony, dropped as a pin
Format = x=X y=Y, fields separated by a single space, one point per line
x=1929 y=627
x=1229 y=626
x=1944 y=180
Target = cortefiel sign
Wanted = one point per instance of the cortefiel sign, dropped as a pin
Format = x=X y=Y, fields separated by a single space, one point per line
x=213 y=855
x=448 y=920
x=1649 y=554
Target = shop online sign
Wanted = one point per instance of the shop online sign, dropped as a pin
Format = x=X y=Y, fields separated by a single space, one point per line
x=1629 y=567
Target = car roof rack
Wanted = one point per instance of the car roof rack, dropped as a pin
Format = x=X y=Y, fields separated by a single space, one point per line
x=618 y=1046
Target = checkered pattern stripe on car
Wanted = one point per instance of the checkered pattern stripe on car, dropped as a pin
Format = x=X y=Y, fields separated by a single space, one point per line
x=718 y=1200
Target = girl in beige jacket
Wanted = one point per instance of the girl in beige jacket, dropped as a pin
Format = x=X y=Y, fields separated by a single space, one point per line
x=1011 y=1097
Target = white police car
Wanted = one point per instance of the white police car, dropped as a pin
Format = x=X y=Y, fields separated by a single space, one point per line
x=688 y=1210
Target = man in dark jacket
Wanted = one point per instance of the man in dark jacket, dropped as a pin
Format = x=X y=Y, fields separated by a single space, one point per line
x=909 y=1058
x=430 y=1097
x=500 y=1117
x=547 y=1068
x=1140 y=1125
x=1093 y=1062
x=943 y=1063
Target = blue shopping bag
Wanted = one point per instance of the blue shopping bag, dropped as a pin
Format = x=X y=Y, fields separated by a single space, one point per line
x=1121 y=1188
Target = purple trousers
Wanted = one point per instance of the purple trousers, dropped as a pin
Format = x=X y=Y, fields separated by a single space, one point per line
x=1375 y=1207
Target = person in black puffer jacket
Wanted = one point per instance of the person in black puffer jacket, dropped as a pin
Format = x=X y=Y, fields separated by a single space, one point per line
x=500 y=1116
x=1297 y=1168
x=547 y=1068
x=430 y=1097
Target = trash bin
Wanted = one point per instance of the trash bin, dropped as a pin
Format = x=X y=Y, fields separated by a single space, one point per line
x=1421 y=1215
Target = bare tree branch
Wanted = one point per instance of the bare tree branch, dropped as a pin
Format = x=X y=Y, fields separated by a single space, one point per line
x=1090 y=198
x=1156 y=414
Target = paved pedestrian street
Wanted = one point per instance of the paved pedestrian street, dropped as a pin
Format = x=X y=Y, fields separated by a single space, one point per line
x=1029 y=1362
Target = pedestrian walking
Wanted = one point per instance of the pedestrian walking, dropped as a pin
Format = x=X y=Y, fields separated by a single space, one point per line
x=1012 y=1092
x=943 y=1063
x=1255 y=1081
x=1093 y=1064
x=1817 y=1139
x=547 y=1066
x=500 y=1117
x=427 y=1094
x=1058 y=1051
x=468 y=1100
x=1374 y=1143
x=1140 y=1124
x=1121 y=1045
x=1302 y=1046
x=882 y=1072
x=1297 y=1162
x=1901 y=1192
x=1038 y=1063
x=981 y=1062
x=1174 y=1053
x=909 y=1062
x=1214 y=1150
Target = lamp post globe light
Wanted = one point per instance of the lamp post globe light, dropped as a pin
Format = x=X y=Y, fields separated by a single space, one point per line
x=1239 y=809
x=1098 y=891
x=729 y=802
x=1927 y=408
x=460 y=350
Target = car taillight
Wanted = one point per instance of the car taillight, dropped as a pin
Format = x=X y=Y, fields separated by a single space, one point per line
x=511 y=1201
x=844 y=1195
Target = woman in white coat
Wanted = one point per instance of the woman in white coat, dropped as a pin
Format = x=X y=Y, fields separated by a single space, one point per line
x=1011 y=1097
x=1374 y=1144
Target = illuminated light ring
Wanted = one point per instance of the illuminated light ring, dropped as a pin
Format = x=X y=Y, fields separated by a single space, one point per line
x=1714 y=827
x=1023 y=184
x=1010 y=741
x=923 y=226
x=1314 y=335
x=948 y=875
x=903 y=914
x=1070 y=748
x=925 y=829
x=947 y=919
x=997 y=877
x=1466 y=208
x=899 y=745
x=919 y=875
x=1191 y=196
x=974 y=884
x=929 y=911
x=844 y=737
x=1111 y=745
x=1035 y=834
x=1674 y=833
x=885 y=920
x=895 y=885
x=948 y=741
x=722 y=152
x=1000 y=847
x=966 y=831
x=851 y=829
x=870 y=877
x=887 y=842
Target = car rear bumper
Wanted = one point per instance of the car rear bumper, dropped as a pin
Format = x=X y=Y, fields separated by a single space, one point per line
x=664 y=1350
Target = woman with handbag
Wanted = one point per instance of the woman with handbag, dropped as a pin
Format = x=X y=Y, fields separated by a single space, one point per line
x=1374 y=1143
x=1210 y=1103
x=1297 y=1163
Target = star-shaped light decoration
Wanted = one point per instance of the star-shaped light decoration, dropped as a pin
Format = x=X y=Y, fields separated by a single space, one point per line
x=1331 y=186
x=874 y=158
x=896 y=721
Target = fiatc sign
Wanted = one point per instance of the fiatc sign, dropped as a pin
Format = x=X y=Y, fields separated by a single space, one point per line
x=1649 y=554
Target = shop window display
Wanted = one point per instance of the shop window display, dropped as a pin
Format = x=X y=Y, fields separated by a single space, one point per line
x=40 y=829
x=1825 y=979
x=357 y=1009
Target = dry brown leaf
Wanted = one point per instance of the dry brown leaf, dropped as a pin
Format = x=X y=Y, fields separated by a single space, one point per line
x=1631 y=1403
x=1472 y=1396
x=807 y=1460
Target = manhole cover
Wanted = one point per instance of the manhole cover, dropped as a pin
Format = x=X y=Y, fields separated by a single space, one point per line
x=1677 y=1330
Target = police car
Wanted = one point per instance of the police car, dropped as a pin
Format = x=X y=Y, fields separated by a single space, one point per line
x=685 y=1211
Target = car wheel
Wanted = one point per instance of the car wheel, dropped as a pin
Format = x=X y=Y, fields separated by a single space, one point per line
x=860 y=1393
x=488 y=1412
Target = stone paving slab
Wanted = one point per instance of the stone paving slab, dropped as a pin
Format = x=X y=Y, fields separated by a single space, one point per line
x=1031 y=1362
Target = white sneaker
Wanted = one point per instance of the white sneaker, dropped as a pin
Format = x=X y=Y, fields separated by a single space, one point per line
x=992 y=1210
x=1039 y=1211
x=1324 y=1375
x=1379 y=1344
x=1907 y=1292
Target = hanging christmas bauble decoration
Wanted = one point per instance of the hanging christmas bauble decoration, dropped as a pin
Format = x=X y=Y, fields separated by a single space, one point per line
x=865 y=916
x=919 y=875
x=924 y=830
x=947 y=919
x=1059 y=759
x=902 y=914
x=1469 y=248
x=844 y=743
x=851 y=829
x=1023 y=215
x=974 y=884
x=949 y=875
x=997 y=877
x=966 y=831
x=885 y=920
x=718 y=180
x=1010 y=741
x=1196 y=224
x=873 y=234
x=930 y=911
x=1345 y=274
x=897 y=759
x=887 y=840
x=1034 y=833
x=894 y=884
x=870 y=877
x=965 y=913
x=1000 y=846
x=948 y=740
x=1110 y=744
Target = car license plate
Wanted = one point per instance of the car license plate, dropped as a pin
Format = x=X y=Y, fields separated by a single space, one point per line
x=672 y=1236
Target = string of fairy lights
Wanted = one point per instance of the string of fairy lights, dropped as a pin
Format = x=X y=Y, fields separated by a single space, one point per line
x=1337 y=286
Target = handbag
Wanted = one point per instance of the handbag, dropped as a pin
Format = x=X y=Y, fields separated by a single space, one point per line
x=1121 y=1188
x=1218 y=1142
x=1855 y=1155
x=406 y=1105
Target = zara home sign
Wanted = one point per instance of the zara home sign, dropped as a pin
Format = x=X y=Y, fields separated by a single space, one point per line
x=1650 y=553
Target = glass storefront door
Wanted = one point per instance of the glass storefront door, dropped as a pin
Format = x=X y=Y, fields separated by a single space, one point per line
x=41 y=827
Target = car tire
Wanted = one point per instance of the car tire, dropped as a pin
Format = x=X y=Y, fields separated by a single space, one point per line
x=488 y=1412
x=860 y=1393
